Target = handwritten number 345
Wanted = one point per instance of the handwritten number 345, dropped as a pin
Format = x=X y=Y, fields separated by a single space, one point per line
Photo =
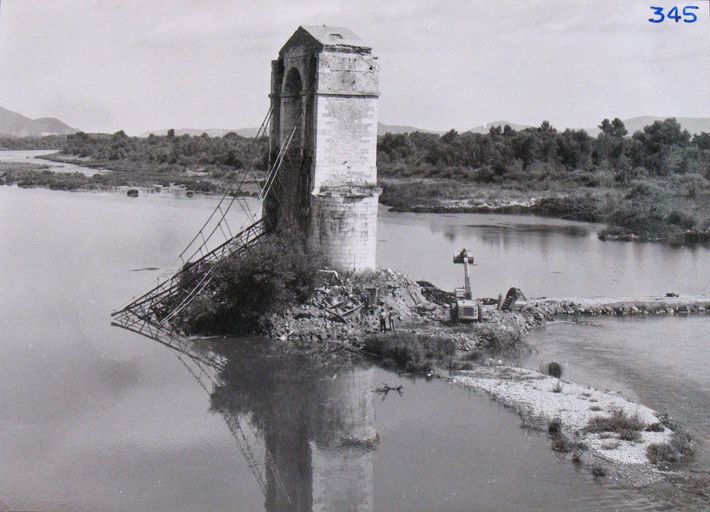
x=688 y=16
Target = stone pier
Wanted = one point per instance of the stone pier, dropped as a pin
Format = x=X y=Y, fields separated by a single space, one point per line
x=324 y=92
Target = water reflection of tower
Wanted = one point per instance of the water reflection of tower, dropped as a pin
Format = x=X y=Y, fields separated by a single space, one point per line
x=344 y=436
x=315 y=414
x=320 y=448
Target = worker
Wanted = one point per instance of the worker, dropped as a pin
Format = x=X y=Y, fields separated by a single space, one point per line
x=383 y=320
x=390 y=318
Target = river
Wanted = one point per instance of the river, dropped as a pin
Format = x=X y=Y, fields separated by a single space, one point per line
x=96 y=418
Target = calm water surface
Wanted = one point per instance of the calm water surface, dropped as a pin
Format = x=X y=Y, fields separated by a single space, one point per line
x=31 y=156
x=97 y=418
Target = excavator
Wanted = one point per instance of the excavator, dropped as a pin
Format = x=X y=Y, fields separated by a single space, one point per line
x=464 y=308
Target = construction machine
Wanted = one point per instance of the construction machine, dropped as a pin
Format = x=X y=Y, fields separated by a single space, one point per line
x=464 y=308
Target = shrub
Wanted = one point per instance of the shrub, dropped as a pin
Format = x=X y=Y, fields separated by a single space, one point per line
x=681 y=219
x=655 y=427
x=630 y=435
x=661 y=454
x=554 y=427
x=618 y=421
x=415 y=353
x=554 y=370
x=561 y=444
x=277 y=272
x=598 y=471
x=682 y=443
x=499 y=342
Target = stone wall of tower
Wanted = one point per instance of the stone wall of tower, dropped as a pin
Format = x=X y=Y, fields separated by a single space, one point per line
x=343 y=224
x=346 y=120
x=333 y=192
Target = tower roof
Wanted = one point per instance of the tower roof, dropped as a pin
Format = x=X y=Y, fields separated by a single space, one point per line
x=328 y=37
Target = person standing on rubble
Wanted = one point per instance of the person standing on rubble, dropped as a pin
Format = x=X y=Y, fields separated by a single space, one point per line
x=383 y=319
x=390 y=319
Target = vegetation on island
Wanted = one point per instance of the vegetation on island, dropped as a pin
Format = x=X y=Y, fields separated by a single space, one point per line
x=653 y=184
x=248 y=287
x=203 y=164
x=28 y=143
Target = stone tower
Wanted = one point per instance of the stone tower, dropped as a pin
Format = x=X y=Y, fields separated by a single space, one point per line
x=324 y=90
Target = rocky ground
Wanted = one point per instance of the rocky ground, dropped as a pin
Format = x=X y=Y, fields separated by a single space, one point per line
x=570 y=411
x=341 y=312
x=667 y=305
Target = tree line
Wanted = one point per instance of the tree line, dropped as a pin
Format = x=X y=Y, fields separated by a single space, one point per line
x=185 y=151
x=504 y=154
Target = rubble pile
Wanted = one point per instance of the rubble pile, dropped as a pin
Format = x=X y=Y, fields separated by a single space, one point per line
x=344 y=309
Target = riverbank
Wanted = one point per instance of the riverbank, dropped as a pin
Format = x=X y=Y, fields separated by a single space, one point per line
x=676 y=211
x=119 y=174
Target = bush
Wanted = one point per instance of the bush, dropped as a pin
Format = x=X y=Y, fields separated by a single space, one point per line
x=277 y=272
x=554 y=427
x=554 y=370
x=598 y=471
x=496 y=341
x=619 y=421
x=682 y=443
x=414 y=353
x=661 y=454
x=630 y=435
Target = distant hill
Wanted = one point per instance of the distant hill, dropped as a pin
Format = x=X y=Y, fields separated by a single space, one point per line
x=485 y=128
x=251 y=132
x=692 y=124
x=398 y=129
x=17 y=125
x=212 y=132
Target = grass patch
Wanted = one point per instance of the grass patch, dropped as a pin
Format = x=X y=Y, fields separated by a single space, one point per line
x=416 y=353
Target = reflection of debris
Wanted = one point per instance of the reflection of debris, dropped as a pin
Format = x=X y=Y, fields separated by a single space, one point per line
x=386 y=388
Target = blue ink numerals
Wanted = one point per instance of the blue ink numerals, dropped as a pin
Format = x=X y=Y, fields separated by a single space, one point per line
x=687 y=15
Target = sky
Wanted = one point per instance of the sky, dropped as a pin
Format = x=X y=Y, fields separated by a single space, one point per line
x=138 y=65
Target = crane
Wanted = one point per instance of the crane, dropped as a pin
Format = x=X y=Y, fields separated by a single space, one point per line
x=464 y=308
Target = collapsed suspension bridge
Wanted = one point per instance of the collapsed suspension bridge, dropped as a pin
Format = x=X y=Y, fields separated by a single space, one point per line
x=193 y=270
